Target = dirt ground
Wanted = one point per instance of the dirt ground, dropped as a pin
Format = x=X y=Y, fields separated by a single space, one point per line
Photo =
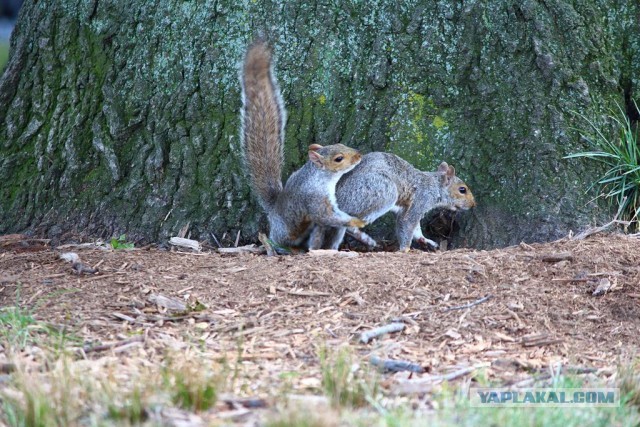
x=513 y=312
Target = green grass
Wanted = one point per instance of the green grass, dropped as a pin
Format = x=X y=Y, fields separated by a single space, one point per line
x=298 y=418
x=194 y=385
x=16 y=327
x=131 y=410
x=344 y=382
x=4 y=54
x=456 y=410
x=19 y=329
x=32 y=402
x=67 y=391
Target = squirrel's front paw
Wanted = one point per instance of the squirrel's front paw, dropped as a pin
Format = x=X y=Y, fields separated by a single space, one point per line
x=356 y=222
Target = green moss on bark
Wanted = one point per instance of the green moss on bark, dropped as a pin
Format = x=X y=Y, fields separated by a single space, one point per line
x=128 y=122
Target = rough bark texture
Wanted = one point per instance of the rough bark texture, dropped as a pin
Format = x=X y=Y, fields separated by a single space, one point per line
x=123 y=117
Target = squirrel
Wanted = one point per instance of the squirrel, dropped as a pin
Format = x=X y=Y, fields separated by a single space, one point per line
x=308 y=197
x=384 y=182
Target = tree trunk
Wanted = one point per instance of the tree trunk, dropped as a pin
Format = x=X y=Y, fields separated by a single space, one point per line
x=123 y=117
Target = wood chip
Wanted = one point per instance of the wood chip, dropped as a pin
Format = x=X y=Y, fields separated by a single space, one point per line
x=557 y=257
x=303 y=293
x=271 y=251
x=332 y=252
x=103 y=347
x=539 y=340
x=171 y=304
x=471 y=304
x=249 y=249
x=185 y=243
x=603 y=287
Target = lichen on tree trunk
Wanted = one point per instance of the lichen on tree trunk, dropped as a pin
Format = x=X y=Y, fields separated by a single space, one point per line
x=123 y=117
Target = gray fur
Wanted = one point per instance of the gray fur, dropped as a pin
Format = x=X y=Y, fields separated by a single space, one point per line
x=308 y=197
x=304 y=201
x=384 y=182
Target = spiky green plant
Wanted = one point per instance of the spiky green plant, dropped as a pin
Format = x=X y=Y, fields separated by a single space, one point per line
x=620 y=184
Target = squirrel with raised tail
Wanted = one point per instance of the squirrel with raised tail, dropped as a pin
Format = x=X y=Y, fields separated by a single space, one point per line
x=384 y=182
x=308 y=197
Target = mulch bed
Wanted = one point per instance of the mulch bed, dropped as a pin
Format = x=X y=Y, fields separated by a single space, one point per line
x=512 y=312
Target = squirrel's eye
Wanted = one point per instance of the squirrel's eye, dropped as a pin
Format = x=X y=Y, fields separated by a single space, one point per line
x=338 y=159
x=462 y=190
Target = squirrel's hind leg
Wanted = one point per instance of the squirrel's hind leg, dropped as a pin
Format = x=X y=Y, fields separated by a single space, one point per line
x=419 y=238
x=406 y=224
x=333 y=237
x=316 y=239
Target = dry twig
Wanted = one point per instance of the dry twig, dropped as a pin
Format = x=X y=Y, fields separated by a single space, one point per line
x=374 y=333
x=471 y=304
x=388 y=365
x=113 y=345
x=553 y=258
x=595 y=230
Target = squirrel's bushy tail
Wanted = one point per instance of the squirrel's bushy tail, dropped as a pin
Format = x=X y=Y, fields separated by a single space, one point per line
x=263 y=118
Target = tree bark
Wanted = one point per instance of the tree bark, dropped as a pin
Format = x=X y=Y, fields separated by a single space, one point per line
x=122 y=117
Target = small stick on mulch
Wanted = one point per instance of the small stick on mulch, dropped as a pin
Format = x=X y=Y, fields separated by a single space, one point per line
x=553 y=258
x=595 y=230
x=113 y=345
x=471 y=304
x=102 y=276
x=331 y=252
x=250 y=249
x=581 y=279
x=267 y=244
x=455 y=374
x=304 y=293
x=543 y=376
x=425 y=384
x=215 y=239
x=246 y=402
x=578 y=370
x=536 y=340
x=185 y=243
x=388 y=365
x=374 y=333
x=167 y=303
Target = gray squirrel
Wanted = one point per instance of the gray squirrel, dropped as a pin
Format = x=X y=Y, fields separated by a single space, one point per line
x=308 y=197
x=384 y=182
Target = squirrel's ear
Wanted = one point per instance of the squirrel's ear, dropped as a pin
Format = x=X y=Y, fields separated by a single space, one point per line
x=316 y=158
x=443 y=168
x=448 y=172
x=315 y=147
